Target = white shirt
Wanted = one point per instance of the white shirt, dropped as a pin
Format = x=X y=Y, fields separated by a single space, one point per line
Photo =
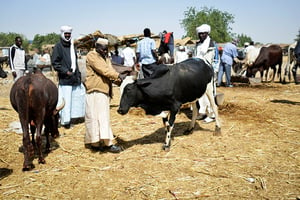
x=180 y=56
x=128 y=54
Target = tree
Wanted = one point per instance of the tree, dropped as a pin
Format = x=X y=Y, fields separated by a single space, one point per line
x=243 y=38
x=298 y=36
x=8 y=39
x=40 y=40
x=219 y=22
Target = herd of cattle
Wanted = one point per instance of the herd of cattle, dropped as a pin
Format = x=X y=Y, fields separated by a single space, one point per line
x=35 y=97
x=261 y=59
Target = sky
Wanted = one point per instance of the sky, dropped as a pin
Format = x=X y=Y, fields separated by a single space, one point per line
x=265 y=21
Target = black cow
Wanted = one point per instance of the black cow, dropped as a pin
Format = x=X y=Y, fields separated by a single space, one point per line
x=297 y=58
x=2 y=61
x=167 y=90
x=268 y=57
x=34 y=97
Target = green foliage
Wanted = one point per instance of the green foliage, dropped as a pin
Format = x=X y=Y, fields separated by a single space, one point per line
x=298 y=36
x=219 y=22
x=8 y=39
x=242 y=39
x=40 y=40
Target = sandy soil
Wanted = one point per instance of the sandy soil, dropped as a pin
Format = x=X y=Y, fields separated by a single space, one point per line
x=257 y=156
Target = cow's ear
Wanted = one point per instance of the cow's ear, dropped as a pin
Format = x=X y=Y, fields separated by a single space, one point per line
x=143 y=82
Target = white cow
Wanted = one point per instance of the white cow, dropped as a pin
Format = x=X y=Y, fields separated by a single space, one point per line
x=290 y=63
x=249 y=59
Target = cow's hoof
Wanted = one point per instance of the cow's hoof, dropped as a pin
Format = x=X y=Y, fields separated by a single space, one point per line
x=166 y=147
x=42 y=161
x=188 y=132
x=55 y=135
x=47 y=150
x=217 y=131
x=28 y=167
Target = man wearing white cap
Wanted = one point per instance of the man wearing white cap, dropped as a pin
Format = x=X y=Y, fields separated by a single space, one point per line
x=205 y=50
x=98 y=83
x=70 y=88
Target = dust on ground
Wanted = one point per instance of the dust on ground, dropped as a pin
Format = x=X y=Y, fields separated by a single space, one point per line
x=257 y=156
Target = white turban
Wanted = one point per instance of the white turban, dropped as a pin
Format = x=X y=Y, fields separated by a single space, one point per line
x=102 y=41
x=65 y=29
x=203 y=28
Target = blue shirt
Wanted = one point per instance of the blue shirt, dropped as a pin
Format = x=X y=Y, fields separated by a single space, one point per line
x=229 y=52
x=144 y=47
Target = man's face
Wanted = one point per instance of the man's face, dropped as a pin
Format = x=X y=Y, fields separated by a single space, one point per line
x=67 y=35
x=202 y=36
x=19 y=42
x=102 y=50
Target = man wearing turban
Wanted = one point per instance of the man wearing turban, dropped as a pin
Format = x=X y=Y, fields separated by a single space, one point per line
x=71 y=90
x=207 y=51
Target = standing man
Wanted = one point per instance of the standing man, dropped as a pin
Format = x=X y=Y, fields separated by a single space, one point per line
x=128 y=55
x=205 y=50
x=228 y=56
x=64 y=61
x=99 y=73
x=17 y=59
x=146 y=55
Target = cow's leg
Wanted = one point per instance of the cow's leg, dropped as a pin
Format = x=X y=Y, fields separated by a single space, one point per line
x=210 y=95
x=274 y=73
x=194 y=116
x=39 y=125
x=279 y=73
x=169 y=128
x=27 y=147
x=286 y=72
x=32 y=130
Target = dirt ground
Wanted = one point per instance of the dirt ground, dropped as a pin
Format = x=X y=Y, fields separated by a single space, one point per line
x=257 y=156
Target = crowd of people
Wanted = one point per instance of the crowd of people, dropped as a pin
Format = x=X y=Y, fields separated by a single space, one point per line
x=90 y=98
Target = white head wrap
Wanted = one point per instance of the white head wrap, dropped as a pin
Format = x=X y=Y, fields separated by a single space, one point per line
x=65 y=29
x=102 y=41
x=203 y=28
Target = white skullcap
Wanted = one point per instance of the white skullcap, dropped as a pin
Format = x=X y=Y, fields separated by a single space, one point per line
x=203 y=28
x=66 y=29
x=246 y=43
x=102 y=41
x=181 y=47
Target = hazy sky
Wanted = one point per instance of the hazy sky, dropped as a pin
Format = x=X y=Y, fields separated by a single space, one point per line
x=265 y=21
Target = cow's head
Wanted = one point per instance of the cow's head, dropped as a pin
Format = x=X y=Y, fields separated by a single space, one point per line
x=53 y=124
x=130 y=98
x=251 y=71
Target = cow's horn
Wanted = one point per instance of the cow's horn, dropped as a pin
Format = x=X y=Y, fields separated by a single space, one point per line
x=58 y=108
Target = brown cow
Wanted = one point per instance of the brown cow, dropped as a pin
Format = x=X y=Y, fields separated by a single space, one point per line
x=34 y=97
x=268 y=57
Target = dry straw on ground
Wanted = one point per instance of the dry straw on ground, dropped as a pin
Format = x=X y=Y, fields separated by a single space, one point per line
x=257 y=156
